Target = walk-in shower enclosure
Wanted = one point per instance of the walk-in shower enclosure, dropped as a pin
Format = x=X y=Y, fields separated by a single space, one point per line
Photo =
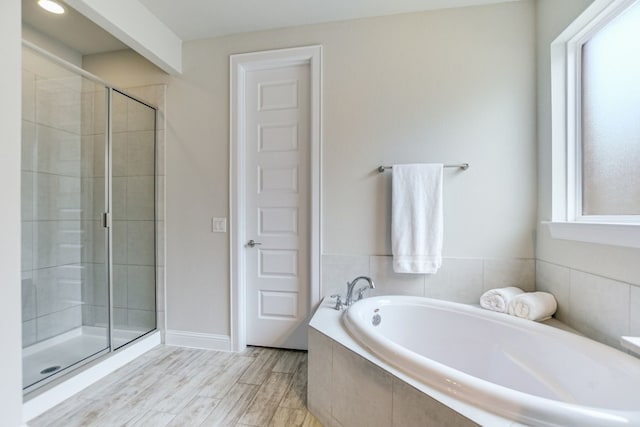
x=88 y=218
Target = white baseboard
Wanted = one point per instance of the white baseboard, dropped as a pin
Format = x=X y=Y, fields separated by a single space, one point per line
x=198 y=340
x=50 y=398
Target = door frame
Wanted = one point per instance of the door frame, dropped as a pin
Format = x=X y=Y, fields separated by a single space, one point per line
x=240 y=64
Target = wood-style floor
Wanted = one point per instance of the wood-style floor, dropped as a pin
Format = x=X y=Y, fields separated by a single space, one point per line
x=173 y=386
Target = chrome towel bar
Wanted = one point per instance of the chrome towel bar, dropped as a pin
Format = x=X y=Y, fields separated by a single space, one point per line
x=463 y=166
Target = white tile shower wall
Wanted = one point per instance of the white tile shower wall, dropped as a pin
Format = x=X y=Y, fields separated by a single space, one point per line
x=51 y=325
x=28 y=95
x=133 y=214
x=52 y=237
x=138 y=168
x=29 y=333
x=58 y=288
x=95 y=289
x=388 y=282
x=634 y=312
x=459 y=279
x=134 y=169
x=63 y=153
x=58 y=103
x=598 y=307
x=337 y=270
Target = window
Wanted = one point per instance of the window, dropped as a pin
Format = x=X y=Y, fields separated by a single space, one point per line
x=610 y=118
x=596 y=126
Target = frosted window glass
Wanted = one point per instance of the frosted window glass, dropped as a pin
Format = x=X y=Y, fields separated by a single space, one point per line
x=611 y=118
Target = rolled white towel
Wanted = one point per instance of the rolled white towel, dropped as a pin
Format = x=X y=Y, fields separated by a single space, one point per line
x=533 y=306
x=498 y=299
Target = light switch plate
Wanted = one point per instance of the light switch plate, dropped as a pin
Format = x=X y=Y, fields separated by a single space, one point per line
x=218 y=225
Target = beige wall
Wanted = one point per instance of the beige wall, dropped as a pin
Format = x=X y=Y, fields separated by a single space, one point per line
x=10 y=306
x=124 y=69
x=448 y=86
x=597 y=286
x=614 y=262
x=51 y=45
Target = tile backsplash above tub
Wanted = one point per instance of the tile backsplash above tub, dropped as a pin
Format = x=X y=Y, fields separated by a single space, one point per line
x=459 y=279
x=601 y=308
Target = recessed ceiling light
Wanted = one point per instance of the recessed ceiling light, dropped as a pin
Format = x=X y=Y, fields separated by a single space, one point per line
x=51 y=6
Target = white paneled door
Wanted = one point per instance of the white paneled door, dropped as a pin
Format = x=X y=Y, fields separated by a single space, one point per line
x=277 y=206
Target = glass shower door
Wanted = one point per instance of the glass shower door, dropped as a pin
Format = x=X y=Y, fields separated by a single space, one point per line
x=88 y=218
x=64 y=264
x=133 y=218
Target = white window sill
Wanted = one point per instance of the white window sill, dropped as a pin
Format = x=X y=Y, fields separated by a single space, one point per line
x=604 y=233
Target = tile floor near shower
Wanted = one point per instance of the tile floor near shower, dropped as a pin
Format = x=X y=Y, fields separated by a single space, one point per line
x=174 y=386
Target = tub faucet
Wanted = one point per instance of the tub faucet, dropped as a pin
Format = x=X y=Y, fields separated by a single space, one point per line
x=351 y=285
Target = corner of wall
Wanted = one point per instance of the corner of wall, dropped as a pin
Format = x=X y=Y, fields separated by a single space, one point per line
x=10 y=244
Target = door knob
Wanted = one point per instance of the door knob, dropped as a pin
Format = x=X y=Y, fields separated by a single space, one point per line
x=253 y=243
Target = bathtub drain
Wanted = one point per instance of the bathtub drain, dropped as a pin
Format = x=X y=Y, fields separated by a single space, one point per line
x=376 y=320
x=50 y=369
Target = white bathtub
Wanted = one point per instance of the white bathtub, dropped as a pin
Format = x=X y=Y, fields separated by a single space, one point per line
x=521 y=370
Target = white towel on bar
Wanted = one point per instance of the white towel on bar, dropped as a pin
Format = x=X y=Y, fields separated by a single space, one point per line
x=533 y=306
x=498 y=299
x=416 y=218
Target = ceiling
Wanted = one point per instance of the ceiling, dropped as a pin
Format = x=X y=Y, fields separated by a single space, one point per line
x=197 y=19
x=71 y=29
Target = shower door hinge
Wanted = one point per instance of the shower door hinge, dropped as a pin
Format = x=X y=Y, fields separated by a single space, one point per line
x=106 y=220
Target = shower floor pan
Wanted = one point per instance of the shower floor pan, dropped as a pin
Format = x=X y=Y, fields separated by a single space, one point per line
x=42 y=360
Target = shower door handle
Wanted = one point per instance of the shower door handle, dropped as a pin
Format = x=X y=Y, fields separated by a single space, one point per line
x=106 y=220
x=252 y=243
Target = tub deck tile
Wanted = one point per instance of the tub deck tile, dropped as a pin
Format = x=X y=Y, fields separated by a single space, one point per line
x=361 y=392
x=411 y=407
